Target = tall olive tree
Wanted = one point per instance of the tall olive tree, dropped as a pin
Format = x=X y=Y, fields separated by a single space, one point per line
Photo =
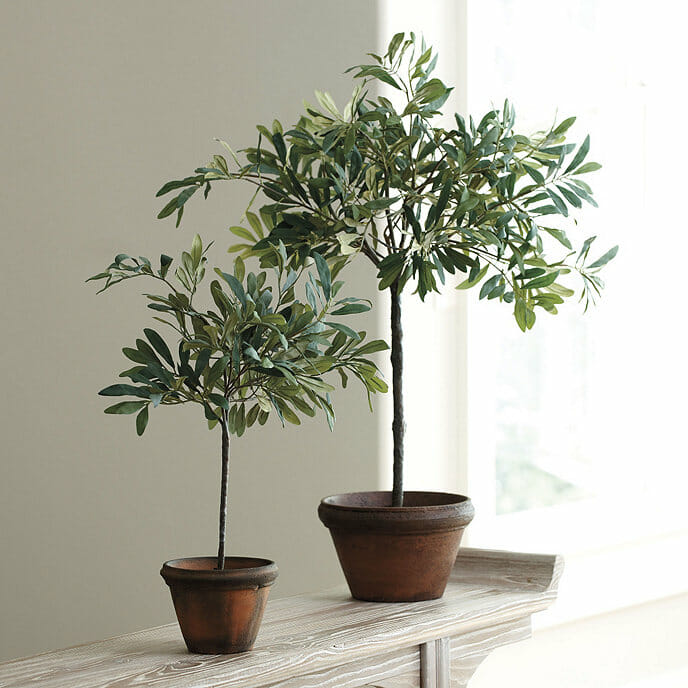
x=419 y=200
x=258 y=350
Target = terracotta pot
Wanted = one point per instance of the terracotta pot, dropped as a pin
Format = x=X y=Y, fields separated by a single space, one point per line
x=219 y=612
x=396 y=554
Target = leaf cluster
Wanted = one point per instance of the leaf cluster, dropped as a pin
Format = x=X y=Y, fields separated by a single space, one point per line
x=419 y=200
x=258 y=350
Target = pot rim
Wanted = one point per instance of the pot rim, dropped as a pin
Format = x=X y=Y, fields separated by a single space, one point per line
x=453 y=500
x=456 y=512
x=263 y=573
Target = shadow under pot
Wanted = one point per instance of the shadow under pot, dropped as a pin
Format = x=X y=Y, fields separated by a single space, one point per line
x=219 y=611
x=396 y=554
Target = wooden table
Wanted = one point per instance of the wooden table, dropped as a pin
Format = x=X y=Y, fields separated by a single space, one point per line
x=328 y=640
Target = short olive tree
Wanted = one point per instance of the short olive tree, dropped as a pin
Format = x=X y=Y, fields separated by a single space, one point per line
x=258 y=350
x=420 y=201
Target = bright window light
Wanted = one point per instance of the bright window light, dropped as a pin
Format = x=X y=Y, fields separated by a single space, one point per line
x=589 y=412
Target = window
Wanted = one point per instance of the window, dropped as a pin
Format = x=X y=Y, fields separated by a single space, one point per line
x=576 y=429
x=590 y=408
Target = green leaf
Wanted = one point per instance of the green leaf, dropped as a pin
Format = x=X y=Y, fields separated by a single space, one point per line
x=159 y=344
x=352 y=308
x=381 y=203
x=558 y=202
x=524 y=316
x=343 y=329
x=580 y=155
x=491 y=284
x=570 y=196
x=135 y=355
x=325 y=275
x=467 y=284
x=219 y=400
x=202 y=360
x=255 y=223
x=289 y=415
x=585 y=248
x=126 y=407
x=564 y=126
x=535 y=175
x=179 y=184
x=252 y=353
x=378 y=73
x=443 y=198
x=216 y=370
x=561 y=290
x=278 y=143
x=242 y=233
x=234 y=285
x=239 y=268
x=196 y=251
x=208 y=411
x=168 y=209
x=588 y=167
x=302 y=406
x=583 y=193
x=609 y=255
x=394 y=44
x=165 y=262
x=122 y=390
x=142 y=421
x=371 y=347
x=559 y=235
x=546 y=210
x=520 y=314
x=431 y=90
x=252 y=415
x=544 y=281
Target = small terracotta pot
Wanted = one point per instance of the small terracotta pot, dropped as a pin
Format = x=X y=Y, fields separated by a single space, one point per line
x=219 y=611
x=396 y=554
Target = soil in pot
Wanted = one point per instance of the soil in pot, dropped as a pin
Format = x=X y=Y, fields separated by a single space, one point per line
x=219 y=611
x=396 y=554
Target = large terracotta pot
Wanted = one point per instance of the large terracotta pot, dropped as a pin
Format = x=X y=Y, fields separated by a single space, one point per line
x=219 y=611
x=396 y=554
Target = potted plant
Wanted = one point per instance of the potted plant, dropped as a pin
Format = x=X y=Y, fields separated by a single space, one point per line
x=257 y=351
x=419 y=201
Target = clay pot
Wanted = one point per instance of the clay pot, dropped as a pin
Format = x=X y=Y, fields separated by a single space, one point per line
x=396 y=554
x=219 y=611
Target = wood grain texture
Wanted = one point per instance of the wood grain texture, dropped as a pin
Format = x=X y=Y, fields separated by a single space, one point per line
x=398 y=669
x=312 y=637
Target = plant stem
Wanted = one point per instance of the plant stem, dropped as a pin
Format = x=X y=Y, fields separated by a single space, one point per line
x=223 y=492
x=398 y=427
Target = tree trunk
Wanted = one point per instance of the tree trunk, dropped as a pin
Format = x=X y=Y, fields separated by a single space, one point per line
x=223 y=492
x=398 y=427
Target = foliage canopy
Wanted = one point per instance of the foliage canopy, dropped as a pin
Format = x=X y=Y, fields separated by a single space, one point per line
x=418 y=199
x=258 y=350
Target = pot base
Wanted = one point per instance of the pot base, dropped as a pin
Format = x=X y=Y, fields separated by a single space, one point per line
x=396 y=554
x=219 y=611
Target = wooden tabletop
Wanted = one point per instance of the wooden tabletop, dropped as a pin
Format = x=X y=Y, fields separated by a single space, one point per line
x=313 y=639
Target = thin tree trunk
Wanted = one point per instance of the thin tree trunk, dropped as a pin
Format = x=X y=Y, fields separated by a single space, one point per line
x=223 y=492
x=398 y=427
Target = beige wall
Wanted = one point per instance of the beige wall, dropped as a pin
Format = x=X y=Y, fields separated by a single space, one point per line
x=101 y=102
